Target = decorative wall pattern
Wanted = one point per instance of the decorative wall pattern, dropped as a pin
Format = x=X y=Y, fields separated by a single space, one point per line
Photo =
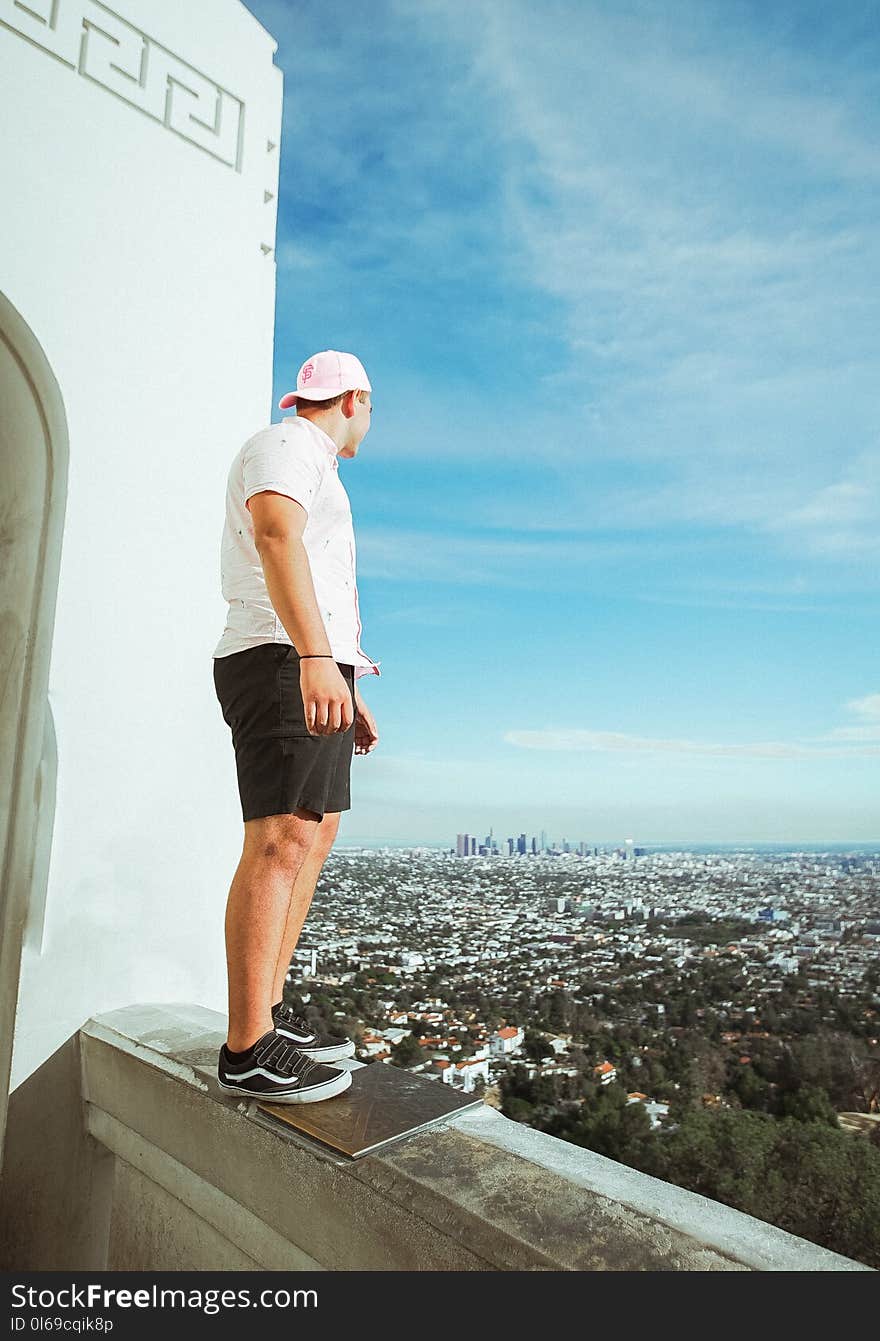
x=105 y=48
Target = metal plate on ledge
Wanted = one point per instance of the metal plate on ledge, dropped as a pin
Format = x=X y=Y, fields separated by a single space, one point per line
x=382 y=1104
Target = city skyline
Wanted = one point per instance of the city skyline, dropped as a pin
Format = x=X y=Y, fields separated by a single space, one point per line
x=604 y=847
x=467 y=845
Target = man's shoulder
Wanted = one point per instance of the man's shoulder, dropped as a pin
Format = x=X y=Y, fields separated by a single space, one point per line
x=264 y=437
x=289 y=432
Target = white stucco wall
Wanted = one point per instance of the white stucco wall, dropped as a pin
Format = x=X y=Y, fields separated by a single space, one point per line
x=138 y=244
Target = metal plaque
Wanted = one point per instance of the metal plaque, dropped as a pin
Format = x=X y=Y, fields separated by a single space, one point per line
x=382 y=1104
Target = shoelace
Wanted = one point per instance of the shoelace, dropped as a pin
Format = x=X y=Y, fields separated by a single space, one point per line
x=290 y=1017
x=281 y=1055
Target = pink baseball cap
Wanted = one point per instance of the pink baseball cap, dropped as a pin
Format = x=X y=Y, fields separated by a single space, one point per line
x=325 y=375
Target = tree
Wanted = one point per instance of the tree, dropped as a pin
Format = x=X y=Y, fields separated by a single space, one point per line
x=614 y=1128
x=407 y=1052
x=517 y=1109
x=535 y=1046
x=750 y=1089
x=808 y=1179
x=810 y=1103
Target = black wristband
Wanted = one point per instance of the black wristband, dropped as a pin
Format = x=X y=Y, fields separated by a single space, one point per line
x=309 y=656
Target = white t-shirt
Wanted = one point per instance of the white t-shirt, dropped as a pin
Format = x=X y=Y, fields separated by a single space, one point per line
x=298 y=459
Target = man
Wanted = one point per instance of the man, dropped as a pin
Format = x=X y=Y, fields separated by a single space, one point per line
x=285 y=674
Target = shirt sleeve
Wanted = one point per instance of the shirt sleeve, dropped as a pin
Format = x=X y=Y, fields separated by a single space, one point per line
x=287 y=464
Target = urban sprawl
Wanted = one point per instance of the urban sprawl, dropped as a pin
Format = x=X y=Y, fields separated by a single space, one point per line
x=410 y=931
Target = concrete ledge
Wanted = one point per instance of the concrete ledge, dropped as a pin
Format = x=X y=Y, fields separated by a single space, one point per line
x=206 y=1182
x=217 y=1225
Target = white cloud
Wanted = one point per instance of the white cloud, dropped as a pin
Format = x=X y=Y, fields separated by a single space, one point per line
x=869 y=706
x=614 y=741
x=841 y=742
x=841 y=519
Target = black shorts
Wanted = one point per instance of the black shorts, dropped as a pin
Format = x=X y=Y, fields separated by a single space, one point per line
x=280 y=765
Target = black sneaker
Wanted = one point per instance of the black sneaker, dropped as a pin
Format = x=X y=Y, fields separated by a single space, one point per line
x=320 y=1047
x=274 y=1069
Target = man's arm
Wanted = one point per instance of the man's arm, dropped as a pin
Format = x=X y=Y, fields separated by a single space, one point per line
x=279 y=523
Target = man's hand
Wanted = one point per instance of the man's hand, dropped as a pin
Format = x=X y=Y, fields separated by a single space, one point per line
x=326 y=698
x=366 y=735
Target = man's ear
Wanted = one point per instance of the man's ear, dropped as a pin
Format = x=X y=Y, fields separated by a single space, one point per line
x=348 y=404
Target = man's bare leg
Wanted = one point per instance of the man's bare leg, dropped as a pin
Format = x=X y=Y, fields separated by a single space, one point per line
x=303 y=891
x=275 y=849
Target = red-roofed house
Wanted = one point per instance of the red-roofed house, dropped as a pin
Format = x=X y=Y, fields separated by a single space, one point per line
x=505 y=1041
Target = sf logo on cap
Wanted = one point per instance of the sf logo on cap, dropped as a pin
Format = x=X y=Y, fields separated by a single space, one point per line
x=307 y=372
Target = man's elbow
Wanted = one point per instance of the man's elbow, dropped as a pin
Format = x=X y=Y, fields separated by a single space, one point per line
x=269 y=541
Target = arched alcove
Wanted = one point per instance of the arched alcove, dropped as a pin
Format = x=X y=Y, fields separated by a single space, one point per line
x=33 y=489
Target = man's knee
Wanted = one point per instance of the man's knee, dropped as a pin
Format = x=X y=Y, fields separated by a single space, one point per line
x=283 y=839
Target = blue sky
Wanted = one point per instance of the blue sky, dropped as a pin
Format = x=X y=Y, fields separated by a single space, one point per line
x=612 y=269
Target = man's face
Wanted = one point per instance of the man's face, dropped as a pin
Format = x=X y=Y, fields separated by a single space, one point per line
x=360 y=423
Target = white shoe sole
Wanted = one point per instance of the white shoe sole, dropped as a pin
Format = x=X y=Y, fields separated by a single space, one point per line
x=326 y=1091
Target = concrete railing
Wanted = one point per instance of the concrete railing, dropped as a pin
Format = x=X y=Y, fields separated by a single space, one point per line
x=124 y=1154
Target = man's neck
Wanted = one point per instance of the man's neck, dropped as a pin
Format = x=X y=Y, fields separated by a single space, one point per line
x=329 y=425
